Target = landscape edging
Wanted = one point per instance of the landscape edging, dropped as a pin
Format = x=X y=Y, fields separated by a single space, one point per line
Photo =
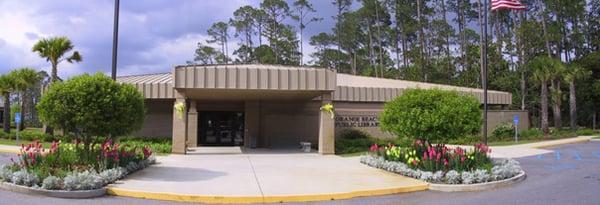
x=78 y=194
x=479 y=186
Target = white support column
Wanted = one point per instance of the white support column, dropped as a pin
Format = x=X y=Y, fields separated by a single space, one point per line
x=326 y=128
x=179 y=127
x=192 y=125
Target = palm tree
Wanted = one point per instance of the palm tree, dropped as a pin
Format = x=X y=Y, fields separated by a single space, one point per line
x=543 y=71
x=573 y=73
x=6 y=87
x=24 y=78
x=556 y=93
x=54 y=50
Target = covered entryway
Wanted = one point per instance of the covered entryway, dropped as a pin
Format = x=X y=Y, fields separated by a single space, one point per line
x=220 y=128
x=253 y=107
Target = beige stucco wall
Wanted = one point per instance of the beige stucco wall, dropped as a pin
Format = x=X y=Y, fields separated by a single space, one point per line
x=285 y=124
x=159 y=119
x=361 y=116
x=279 y=124
x=495 y=117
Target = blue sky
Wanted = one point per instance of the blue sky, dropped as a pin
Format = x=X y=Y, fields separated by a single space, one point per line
x=155 y=35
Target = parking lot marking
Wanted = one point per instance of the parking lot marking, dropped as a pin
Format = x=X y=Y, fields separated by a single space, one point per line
x=577 y=156
x=597 y=154
x=560 y=167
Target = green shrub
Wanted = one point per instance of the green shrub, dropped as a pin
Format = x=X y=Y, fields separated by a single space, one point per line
x=353 y=134
x=344 y=146
x=434 y=115
x=558 y=134
x=158 y=145
x=531 y=134
x=362 y=144
x=92 y=105
x=28 y=135
x=503 y=131
x=586 y=132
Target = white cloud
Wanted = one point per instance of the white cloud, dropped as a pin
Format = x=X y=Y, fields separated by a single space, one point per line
x=153 y=36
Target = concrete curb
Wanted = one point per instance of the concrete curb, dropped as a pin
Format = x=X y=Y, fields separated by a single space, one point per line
x=82 y=194
x=478 y=187
x=552 y=143
x=9 y=151
x=261 y=199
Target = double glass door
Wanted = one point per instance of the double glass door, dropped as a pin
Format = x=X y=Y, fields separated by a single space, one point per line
x=221 y=128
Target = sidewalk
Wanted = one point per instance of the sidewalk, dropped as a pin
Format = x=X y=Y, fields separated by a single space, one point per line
x=257 y=176
x=9 y=149
x=529 y=149
x=272 y=177
x=261 y=178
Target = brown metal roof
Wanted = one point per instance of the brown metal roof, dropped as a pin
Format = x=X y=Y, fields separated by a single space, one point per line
x=276 y=77
x=370 y=89
x=254 y=77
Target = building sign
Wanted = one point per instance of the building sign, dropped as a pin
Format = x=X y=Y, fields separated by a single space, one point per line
x=356 y=121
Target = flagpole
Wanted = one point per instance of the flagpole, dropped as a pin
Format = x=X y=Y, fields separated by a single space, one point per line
x=484 y=71
x=115 y=41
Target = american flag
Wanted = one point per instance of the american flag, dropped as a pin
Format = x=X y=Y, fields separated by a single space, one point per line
x=507 y=4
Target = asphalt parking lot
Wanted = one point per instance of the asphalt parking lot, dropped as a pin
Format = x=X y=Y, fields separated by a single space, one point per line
x=569 y=175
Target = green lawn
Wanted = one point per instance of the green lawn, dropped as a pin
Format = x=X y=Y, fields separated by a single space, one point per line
x=508 y=143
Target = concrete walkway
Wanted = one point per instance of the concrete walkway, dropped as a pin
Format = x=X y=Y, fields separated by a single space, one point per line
x=529 y=149
x=271 y=176
x=261 y=177
x=10 y=149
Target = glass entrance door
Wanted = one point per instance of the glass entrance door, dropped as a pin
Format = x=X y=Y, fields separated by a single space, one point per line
x=221 y=128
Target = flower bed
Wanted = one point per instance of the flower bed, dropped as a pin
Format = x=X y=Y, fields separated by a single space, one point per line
x=71 y=167
x=440 y=164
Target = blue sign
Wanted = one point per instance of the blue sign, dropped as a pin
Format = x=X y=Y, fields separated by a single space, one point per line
x=17 y=117
x=516 y=119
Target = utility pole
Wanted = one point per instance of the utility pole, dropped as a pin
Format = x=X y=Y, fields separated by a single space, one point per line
x=484 y=71
x=115 y=41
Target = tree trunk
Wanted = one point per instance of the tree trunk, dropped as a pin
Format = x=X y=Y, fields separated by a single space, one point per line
x=572 y=106
x=521 y=54
x=225 y=49
x=397 y=32
x=499 y=41
x=555 y=87
x=354 y=63
x=259 y=25
x=339 y=20
x=404 y=46
x=544 y=108
x=481 y=54
x=546 y=40
x=371 y=50
x=22 y=123
x=6 y=116
x=463 y=40
x=379 y=37
x=54 y=75
x=450 y=69
x=301 y=47
x=421 y=41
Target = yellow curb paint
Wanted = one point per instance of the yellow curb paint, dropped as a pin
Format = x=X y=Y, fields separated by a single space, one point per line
x=261 y=199
x=182 y=197
x=347 y=195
